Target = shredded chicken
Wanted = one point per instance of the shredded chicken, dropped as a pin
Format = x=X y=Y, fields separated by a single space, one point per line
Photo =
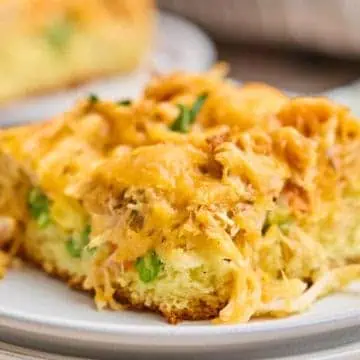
x=250 y=208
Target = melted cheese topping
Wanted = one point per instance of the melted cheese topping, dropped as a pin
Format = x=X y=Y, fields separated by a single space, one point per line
x=251 y=194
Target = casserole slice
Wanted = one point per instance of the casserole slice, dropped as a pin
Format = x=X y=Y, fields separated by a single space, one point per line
x=250 y=223
x=49 y=44
x=199 y=201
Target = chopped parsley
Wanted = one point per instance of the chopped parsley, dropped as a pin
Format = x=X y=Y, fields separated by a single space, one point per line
x=59 y=33
x=77 y=242
x=182 y=122
x=266 y=224
x=73 y=248
x=93 y=99
x=282 y=218
x=125 y=102
x=284 y=226
x=148 y=266
x=197 y=106
x=38 y=205
x=187 y=116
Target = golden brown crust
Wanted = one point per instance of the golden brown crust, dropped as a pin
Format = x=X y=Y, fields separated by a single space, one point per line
x=199 y=310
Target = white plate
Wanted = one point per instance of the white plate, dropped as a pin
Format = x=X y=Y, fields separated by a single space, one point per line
x=348 y=95
x=179 y=45
x=38 y=310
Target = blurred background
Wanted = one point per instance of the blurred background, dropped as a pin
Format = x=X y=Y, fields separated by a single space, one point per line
x=53 y=52
x=300 y=45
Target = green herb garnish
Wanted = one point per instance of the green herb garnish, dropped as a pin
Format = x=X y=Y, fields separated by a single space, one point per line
x=44 y=219
x=266 y=224
x=282 y=218
x=73 y=248
x=125 y=102
x=182 y=122
x=148 y=266
x=285 y=226
x=38 y=205
x=59 y=33
x=187 y=116
x=197 y=106
x=93 y=99
x=78 y=241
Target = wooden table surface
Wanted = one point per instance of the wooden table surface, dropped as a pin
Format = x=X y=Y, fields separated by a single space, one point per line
x=290 y=70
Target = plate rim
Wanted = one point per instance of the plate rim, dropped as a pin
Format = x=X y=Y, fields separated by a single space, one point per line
x=175 y=335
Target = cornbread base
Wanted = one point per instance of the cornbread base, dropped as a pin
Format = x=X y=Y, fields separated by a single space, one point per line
x=199 y=309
